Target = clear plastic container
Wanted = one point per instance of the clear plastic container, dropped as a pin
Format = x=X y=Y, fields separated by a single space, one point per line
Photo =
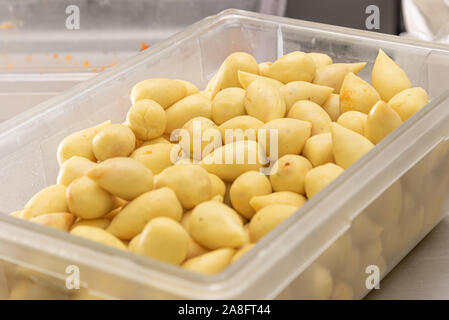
x=40 y=57
x=372 y=214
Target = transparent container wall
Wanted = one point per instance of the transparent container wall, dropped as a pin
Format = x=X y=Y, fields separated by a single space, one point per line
x=40 y=57
x=329 y=261
x=381 y=235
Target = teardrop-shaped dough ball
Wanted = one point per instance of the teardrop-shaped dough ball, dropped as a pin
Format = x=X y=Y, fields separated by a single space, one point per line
x=409 y=101
x=227 y=75
x=348 y=146
x=357 y=94
x=387 y=77
x=381 y=121
x=332 y=75
x=294 y=66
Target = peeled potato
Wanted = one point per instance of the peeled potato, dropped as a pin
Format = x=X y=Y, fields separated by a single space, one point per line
x=386 y=210
x=381 y=121
x=348 y=146
x=155 y=141
x=289 y=173
x=125 y=178
x=211 y=262
x=101 y=223
x=281 y=197
x=73 y=168
x=267 y=218
x=351 y=266
x=242 y=251
x=320 y=59
x=357 y=94
x=240 y=128
x=393 y=242
x=61 y=221
x=315 y=283
x=302 y=90
x=164 y=239
x=295 y=66
x=227 y=75
x=190 y=182
x=131 y=220
x=289 y=137
x=319 y=177
x=246 y=186
x=245 y=79
x=337 y=253
x=195 y=105
x=49 y=200
x=387 y=77
x=15 y=214
x=364 y=230
x=233 y=159
x=132 y=244
x=155 y=157
x=260 y=94
x=195 y=249
x=227 y=104
x=218 y=186
x=116 y=140
x=332 y=75
x=409 y=101
x=353 y=120
x=310 y=111
x=163 y=91
x=88 y=200
x=190 y=87
x=332 y=106
x=215 y=225
x=147 y=119
x=98 y=235
x=318 y=149
x=79 y=144
x=263 y=67
x=342 y=291
x=203 y=137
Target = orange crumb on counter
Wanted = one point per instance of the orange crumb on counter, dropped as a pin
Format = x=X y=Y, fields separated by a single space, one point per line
x=55 y=56
x=7 y=25
x=94 y=69
x=112 y=64
x=86 y=63
x=102 y=68
x=29 y=58
x=143 y=46
x=68 y=57
x=8 y=66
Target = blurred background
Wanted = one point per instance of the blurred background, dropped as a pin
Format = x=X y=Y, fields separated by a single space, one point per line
x=48 y=46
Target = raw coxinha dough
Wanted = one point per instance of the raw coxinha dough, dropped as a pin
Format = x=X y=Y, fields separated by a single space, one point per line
x=124 y=185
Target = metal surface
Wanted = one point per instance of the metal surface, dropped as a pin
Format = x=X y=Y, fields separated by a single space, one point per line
x=40 y=57
x=423 y=273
